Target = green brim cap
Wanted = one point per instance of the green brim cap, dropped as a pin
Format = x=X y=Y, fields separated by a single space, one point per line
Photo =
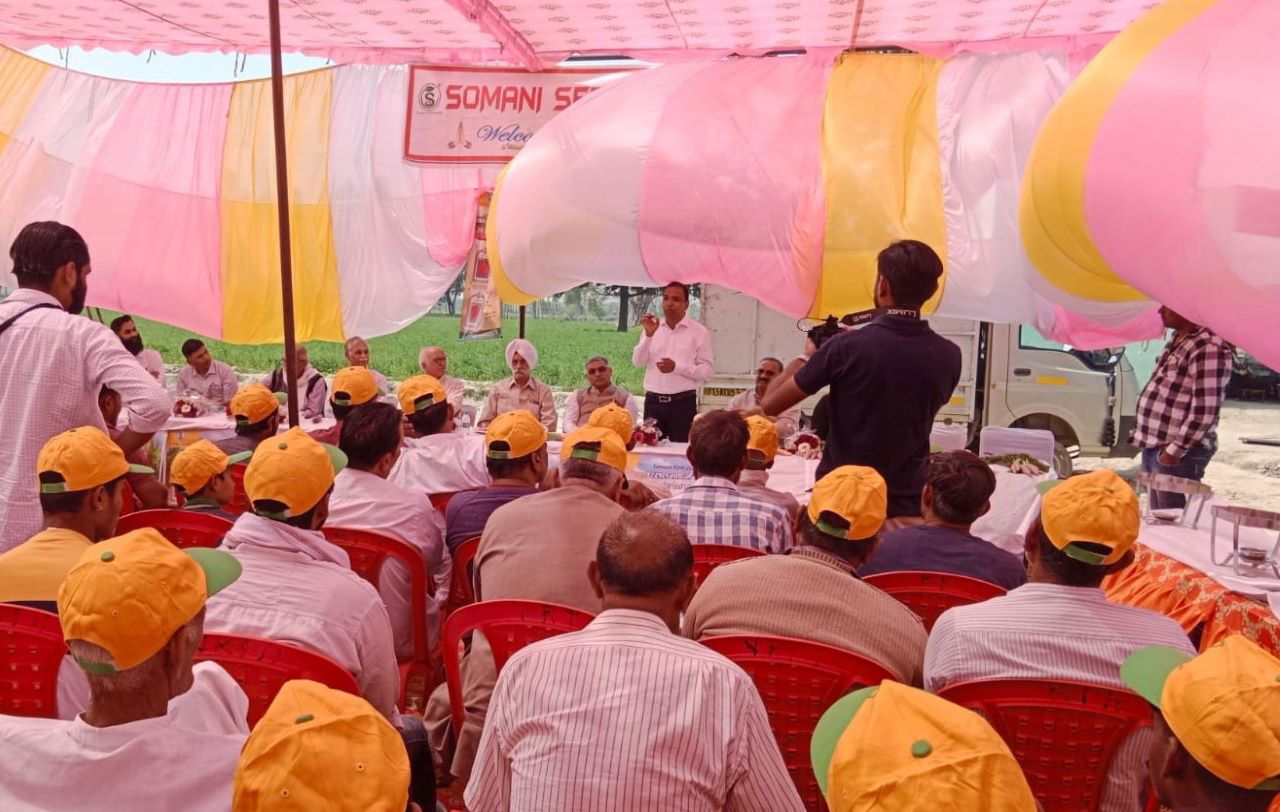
x=282 y=398
x=141 y=469
x=1147 y=669
x=1048 y=485
x=832 y=725
x=336 y=457
x=221 y=568
x=236 y=459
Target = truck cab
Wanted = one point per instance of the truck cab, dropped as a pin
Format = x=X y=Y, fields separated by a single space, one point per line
x=1011 y=376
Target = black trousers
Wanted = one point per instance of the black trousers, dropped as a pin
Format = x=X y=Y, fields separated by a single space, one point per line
x=673 y=413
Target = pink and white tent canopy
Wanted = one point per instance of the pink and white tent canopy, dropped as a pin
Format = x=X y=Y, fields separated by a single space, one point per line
x=536 y=33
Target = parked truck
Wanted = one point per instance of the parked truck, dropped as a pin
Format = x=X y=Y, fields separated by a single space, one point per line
x=1011 y=376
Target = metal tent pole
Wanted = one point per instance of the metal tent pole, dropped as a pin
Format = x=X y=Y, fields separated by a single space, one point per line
x=282 y=205
x=522 y=321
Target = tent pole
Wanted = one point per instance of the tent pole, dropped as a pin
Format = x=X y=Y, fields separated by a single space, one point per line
x=282 y=206
x=522 y=321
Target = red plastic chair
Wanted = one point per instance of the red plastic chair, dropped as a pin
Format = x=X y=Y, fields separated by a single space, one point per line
x=707 y=557
x=929 y=594
x=31 y=652
x=462 y=588
x=440 y=501
x=128 y=502
x=185 y=528
x=241 y=503
x=508 y=625
x=261 y=667
x=798 y=680
x=1064 y=734
x=368 y=552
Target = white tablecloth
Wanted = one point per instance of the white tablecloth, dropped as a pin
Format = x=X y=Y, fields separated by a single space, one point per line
x=1192 y=547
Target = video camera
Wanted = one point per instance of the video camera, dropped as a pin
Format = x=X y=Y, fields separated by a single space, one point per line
x=831 y=326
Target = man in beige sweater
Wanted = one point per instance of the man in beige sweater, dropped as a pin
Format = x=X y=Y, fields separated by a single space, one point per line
x=813 y=593
x=537 y=547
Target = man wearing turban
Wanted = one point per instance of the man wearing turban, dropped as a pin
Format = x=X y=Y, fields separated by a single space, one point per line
x=521 y=390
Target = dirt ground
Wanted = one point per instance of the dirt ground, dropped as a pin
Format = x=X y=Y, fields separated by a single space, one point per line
x=1243 y=474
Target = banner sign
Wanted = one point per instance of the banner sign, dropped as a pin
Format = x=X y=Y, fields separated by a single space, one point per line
x=485 y=115
x=481 y=307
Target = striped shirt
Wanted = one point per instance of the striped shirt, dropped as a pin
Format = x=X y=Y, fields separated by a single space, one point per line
x=625 y=715
x=713 y=511
x=1047 y=631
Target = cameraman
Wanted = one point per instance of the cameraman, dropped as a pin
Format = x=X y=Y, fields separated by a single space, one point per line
x=888 y=380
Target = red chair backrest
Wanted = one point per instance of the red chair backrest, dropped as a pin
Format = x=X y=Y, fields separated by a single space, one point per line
x=929 y=594
x=241 y=503
x=368 y=551
x=707 y=557
x=462 y=589
x=185 y=528
x=440 y=501
x=508 y=625
x=798 y=680
x=31 y=651
x=1064 y=734
x=128 y=502
x=261 y=667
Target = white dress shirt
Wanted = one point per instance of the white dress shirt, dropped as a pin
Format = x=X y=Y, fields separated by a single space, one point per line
x=183 y=760
x=787 y=423
x=52 y=366
x=1046 y=631
x=442 y=463
x=573 y=414
x=454 y=391
x=688 y=345
x=365 y=501
x=219 y=383
x=296 y=587
x=626 y=715
x=152 y=363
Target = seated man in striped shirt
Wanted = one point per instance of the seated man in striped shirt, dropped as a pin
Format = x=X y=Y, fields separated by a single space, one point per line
x=713 y=510
x=625 y=714
x=1060 y=625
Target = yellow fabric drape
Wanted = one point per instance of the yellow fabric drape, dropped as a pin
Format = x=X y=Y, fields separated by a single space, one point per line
x=507 y=290
x=21 y=78
x=881 y=170
x=1052 y=217
x=250 y=238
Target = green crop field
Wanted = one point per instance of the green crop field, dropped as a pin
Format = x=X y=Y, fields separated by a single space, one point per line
x=563 y=348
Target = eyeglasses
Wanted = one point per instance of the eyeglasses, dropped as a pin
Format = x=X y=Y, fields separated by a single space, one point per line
x=597 y=370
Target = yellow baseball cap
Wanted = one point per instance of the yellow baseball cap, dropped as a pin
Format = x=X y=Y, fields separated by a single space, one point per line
x=319 y=748
x=255 y=403
x=763 y=438
x=420 y=392
x=200 y=462
x=514 y=435
x=896 y=747
x=1223 y=705
x=353 y=386
x=854 y=494
x=1098 y=508
x=130 y=594
x=596 y=444
x=80 y=459
x=613 y=416
x=291 y=469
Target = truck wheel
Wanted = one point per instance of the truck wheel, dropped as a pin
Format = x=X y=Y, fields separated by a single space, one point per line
x=1062 y=464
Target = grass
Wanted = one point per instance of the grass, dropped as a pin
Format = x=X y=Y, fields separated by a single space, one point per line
x=563 y=349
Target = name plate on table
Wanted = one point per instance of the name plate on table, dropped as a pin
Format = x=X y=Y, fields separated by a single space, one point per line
x=672 y=471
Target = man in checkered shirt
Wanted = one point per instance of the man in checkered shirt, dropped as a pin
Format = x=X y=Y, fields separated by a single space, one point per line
x=712 y=510
x=1178 y=411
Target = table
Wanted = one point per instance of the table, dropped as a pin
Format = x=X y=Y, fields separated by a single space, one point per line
x=180 y=432
x=1194 y=599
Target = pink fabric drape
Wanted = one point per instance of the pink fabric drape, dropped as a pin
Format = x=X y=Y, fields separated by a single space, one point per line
x=150 y=208
x=760 y=125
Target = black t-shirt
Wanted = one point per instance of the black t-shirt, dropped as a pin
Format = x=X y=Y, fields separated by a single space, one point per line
x=942 y=549
x=888 y=380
